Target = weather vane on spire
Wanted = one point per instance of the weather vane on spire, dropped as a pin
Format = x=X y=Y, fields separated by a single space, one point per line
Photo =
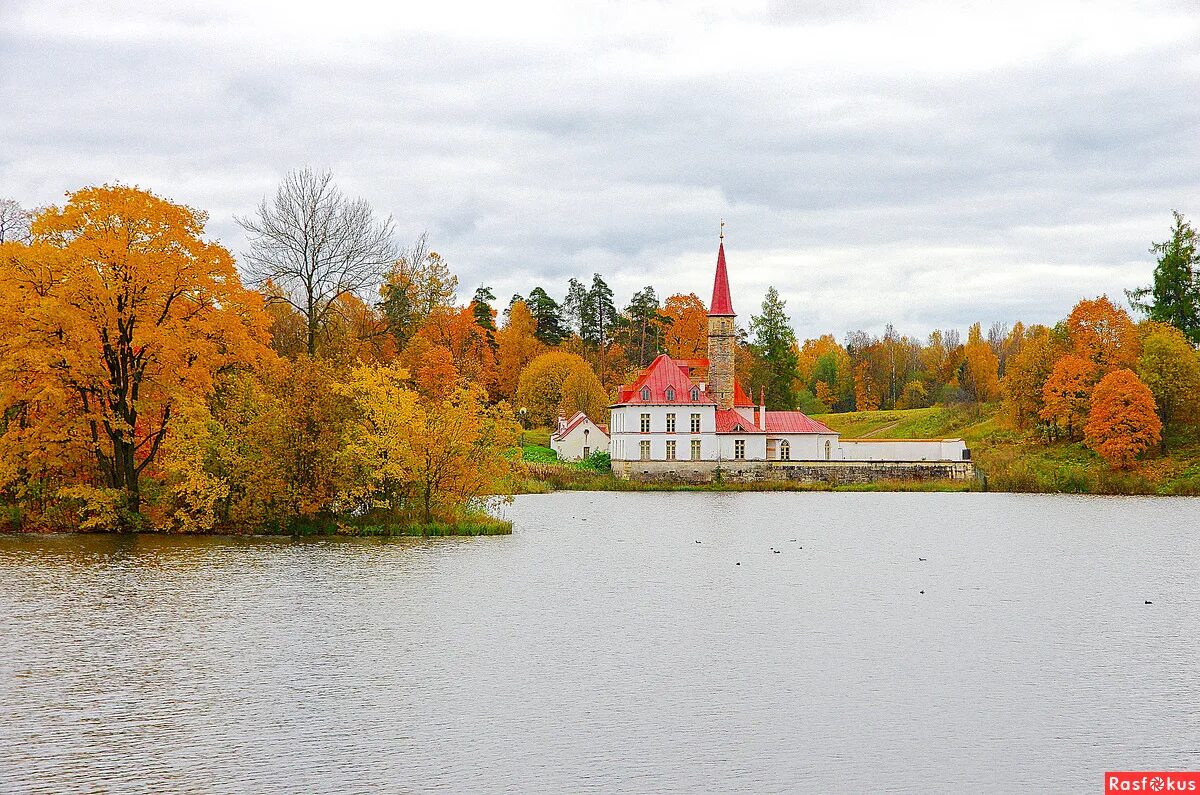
x=722 y=228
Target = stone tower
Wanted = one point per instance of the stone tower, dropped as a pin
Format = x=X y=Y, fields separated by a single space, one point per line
x=722 y=334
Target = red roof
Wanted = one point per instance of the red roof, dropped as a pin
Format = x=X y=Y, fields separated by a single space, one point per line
x=663 y=373
x=731 y=421
x=721 y=303
x=794 y=422
x=740 y=398
x=575 y=422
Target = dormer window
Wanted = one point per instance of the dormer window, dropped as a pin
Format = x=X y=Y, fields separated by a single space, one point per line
x=695 y=394
x=671 y=393
x=646 y=393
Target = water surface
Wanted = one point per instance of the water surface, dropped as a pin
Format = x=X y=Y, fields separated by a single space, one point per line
x=618 y=642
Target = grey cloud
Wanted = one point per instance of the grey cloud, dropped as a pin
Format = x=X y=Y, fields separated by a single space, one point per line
x=866 y=196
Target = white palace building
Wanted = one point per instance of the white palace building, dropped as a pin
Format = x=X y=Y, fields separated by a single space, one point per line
x=692 y=420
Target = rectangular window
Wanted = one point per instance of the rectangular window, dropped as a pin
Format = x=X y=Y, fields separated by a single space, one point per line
x=695 y=423
x=670 y=449
x=739 y=449
x=646 y=451
x=587 y=451
x=645 y=423
x=695 y=449
x=670 y=423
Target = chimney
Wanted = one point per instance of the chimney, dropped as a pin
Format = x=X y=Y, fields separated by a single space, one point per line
x=762 y=408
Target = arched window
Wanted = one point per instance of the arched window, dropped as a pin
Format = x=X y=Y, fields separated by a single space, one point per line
x=828 y=451
x=785 y=451
x=671 y=393
x=645 y=393
x=695 y=394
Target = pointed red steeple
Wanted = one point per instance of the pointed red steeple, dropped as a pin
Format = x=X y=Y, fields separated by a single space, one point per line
x=721 y=303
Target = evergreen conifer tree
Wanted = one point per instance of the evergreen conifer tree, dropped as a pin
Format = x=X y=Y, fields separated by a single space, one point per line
x=1175 y=295
x=774 y=349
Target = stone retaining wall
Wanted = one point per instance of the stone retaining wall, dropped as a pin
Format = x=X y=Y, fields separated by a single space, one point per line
x=832 y=472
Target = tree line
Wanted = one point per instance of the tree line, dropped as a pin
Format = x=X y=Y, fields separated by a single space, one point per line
x=332 y=374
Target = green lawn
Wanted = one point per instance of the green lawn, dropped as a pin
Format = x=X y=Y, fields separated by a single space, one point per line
x=538 y=454
x=936 y=422
x=538 y=437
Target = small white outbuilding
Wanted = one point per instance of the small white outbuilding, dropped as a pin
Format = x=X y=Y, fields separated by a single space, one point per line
x=578 y=438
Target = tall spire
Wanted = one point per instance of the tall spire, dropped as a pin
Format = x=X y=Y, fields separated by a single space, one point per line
x=721 y=303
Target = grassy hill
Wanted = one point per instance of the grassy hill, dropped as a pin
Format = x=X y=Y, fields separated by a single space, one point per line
x=1017 y=461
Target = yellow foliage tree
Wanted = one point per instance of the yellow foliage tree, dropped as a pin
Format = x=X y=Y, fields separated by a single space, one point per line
x=197 y=494
x=942 y=357
x=582 y=391
x=428 y=460
x=541 y=390
x=1123 y=422
x=1171 y=369
x=981 y=368
x=303 y=435
x=116 y=311
x=824 y=367
x=868 y=392
x=825 y=394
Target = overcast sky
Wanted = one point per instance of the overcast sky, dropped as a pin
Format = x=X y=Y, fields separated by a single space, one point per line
x=925 y=164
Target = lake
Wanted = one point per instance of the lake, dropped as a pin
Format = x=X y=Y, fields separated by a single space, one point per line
x=618 y=642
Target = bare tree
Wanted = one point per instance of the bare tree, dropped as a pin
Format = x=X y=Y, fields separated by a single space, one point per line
x=14 y=222
x=315 y=245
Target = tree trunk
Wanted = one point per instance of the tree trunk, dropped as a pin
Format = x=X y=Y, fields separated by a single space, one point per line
x=133 y=499
x=312 y=328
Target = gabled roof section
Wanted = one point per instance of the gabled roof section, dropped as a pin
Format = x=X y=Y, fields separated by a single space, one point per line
x=721 y=304
x=576 y=420
x=662 y=373
x=740 y=398
x=731 y=421
x=794 y=422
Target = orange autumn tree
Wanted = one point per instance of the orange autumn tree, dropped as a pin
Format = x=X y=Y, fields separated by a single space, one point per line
x=1124 y=421
x=456 y=330
x=115 y=311
x=355 y=332
x=1026 y=374
x=1103 y=334
x=517 y=346
x=687 y=335
x=1067 y=394
x=436 y=375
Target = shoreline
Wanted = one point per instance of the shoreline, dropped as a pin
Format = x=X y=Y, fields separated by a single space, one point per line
x=569 y=478
x=478 y=526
